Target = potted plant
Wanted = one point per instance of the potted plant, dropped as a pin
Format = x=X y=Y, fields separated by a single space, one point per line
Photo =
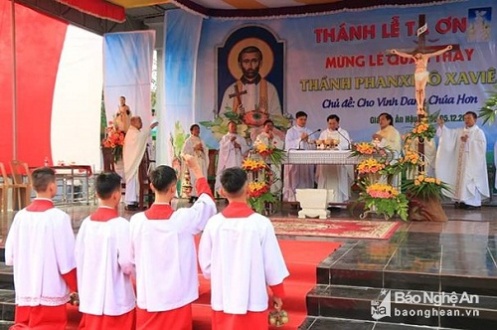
x=424 y=194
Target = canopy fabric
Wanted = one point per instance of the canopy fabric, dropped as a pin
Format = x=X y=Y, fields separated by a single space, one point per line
x=98 y=8
x=232 y=9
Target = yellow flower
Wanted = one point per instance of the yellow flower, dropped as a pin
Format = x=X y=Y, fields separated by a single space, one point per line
x=437 y=181
x=417 y=183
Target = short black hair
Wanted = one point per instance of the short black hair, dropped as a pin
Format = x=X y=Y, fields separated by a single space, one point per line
x=387 y=116
x=333 y=117
x=248 y=50
x=162 y=177
x=193 y=126
x=475 y=116
x=268 y=121
x=107 y=183
x=233 y=180
x=300 y=114
x=42 y=177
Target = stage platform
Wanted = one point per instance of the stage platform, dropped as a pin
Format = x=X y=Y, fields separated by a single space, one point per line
x=458 y=256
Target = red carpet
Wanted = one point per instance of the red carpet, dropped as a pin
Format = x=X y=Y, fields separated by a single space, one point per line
x=335 y=228
x=302 y=258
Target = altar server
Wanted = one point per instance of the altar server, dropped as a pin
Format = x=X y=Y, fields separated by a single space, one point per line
x=40 y=246
x=103 y=257
x=239 y=253
x=163 y=249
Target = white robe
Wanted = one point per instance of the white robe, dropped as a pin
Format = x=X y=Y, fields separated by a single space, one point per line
x=250 y=100
x=336 y=177
x=391 y=139
x=463 y=166
x=201 y=157
x=40 y=246
x=276 y=142
x=242 y=257
x=297 y=176
x=229 y=156
x=104 y=267
x=165 y=256
x=135 y=145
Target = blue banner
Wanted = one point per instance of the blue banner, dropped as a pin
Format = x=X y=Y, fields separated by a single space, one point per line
x=344 y=64
x=181 y=40
x=128 y=72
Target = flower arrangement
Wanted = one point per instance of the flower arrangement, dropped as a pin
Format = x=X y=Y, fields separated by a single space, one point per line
x=367 y=149
x=424 y=187
x=273 y=154
x=114 y=139
x=244 y=121
x=254 y=165
x=260 y=194
x=384 y=199
x=370 y=166
x=261 y=177
x=422 y=130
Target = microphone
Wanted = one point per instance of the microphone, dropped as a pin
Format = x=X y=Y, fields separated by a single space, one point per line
x=338 y=130
x=316 y=131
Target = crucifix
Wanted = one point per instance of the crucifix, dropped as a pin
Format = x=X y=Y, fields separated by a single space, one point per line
x=238 y=93
x=421 y=55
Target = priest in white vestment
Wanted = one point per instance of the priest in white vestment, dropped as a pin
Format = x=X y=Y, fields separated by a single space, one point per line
x=194 y=146
x=297 y=176
x=40 y=247
x=135 y=146
x=389 y=137
x=269 y=138
x=104 y=263
x=232 y=149
x=163 y=251
x=240 y=254
x=461 y=162
x=335 y=177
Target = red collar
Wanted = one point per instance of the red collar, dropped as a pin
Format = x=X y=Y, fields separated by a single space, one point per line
x=159 y=212
x=104 y=214
x=40 y=205
x=237 y=210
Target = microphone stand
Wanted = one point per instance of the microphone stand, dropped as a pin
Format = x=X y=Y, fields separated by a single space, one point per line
x=348 y=141
x=316 y=131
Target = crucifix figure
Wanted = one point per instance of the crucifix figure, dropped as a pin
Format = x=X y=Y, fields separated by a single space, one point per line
x=421 y=56
x=237 y=94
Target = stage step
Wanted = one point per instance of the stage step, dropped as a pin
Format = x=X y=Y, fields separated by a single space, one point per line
x=352 y=302
x=319 y=323
x=400 y=265
x=7 y=295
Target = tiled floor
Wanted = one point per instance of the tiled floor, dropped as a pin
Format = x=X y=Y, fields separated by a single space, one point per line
x=452 y=256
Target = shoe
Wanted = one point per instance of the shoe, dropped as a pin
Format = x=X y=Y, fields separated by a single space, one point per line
x=471 y=207
x=131 y=207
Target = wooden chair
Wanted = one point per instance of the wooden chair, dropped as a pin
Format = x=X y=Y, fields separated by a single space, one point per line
x=22 y=183
x=146 y=195
x=5 y=186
